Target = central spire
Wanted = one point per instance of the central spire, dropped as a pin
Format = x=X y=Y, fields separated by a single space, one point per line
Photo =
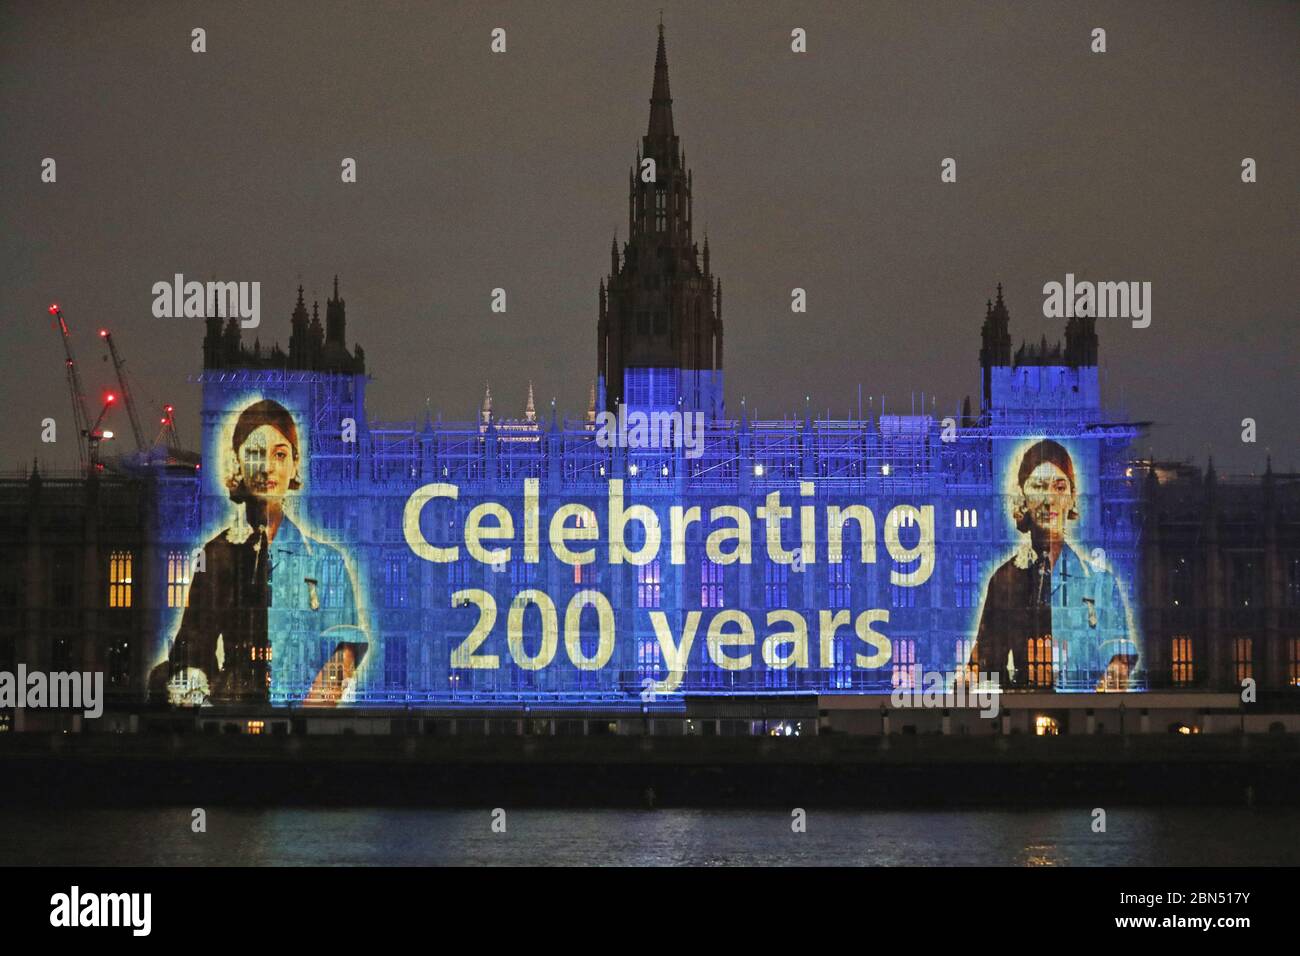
x=661 y=101
x=659 y=335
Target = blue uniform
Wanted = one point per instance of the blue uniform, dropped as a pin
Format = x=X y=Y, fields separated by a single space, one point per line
x=1075 y=603
x=263 y=617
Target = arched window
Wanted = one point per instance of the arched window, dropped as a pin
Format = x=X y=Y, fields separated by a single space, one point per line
x=904 y=671
x=1243 y=657
x=1041 y=662
x=1181 y=658
x=178 y=577
x=649 y=584
x=119 y=579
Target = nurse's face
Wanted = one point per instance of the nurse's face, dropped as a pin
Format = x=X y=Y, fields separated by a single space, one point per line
x=1050 y=497
x=266 y=459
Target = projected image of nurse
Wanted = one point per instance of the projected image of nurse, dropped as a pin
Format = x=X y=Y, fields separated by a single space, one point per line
x=271 y=611
x=1053 y=619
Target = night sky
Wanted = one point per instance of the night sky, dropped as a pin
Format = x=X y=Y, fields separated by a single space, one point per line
x=821 y=170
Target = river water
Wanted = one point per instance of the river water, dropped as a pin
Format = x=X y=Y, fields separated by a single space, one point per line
x=403 y=837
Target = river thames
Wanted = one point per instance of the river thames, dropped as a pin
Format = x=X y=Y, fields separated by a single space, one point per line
x=673 y=837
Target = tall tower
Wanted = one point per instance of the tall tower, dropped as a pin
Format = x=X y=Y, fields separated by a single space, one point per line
x=659 y=336
x=995 y=346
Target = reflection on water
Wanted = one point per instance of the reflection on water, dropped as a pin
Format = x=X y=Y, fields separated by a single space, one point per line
x=365 y=837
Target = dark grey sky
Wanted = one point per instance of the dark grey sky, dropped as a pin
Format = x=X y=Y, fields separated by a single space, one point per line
x=818 y=170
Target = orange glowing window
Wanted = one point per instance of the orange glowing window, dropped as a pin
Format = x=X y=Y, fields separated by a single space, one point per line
x=1045 y=726
x=119 y=579
x=1243 y=658
x=178 y=577
x=1181 y=658
x=1041 y=662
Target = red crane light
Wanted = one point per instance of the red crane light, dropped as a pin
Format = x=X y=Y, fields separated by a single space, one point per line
x=54 y=309
x=103 y=333
x=110 y=398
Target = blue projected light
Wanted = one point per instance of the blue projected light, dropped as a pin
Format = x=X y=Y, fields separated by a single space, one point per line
x=566 y=564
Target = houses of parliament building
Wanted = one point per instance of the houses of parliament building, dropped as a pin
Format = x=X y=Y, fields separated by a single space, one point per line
x=1193 y=576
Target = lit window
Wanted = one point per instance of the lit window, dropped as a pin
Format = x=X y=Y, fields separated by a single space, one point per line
x=1182 y=660
x=1243 y=657
x=648 y=585
x=967 y=665
x=904 y=672
x=712 y=592
x=119 y=579
x=256 y=726
x=1295 y=661
x=178 y=577
x=1041 y=662
x=1045 y=726
x=647 y=659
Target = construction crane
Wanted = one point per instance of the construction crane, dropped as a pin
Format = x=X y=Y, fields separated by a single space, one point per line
x=167 y=433
x=120 y=368
x=95 y=434
x=89 y=436
x=80 y=414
